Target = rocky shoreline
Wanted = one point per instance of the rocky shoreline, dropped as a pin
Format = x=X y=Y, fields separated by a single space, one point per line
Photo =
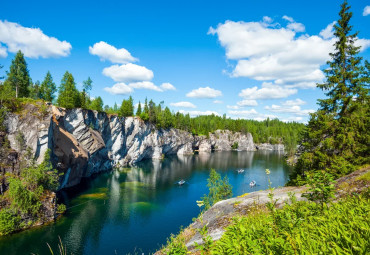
x=85 y=142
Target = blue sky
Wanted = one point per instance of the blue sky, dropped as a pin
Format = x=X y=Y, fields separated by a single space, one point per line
x=248 y=59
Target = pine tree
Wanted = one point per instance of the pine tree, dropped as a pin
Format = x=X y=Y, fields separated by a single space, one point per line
x=68 y=94
x=138 y=112
x=48 y=88
x=18 y=76
x=127 y=108
x=336 y=138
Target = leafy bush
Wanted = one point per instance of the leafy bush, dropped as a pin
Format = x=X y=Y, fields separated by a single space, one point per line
x=9 y=222
x=302 y=228
x=321 y=187
x=219 y=189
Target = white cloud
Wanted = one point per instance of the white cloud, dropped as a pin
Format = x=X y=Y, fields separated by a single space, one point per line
x=234 y=107
x=145 y=85
x=293 y=118
x=119 y=89
x=247 y=102
x=167 y=86
x=250 y=114
x=297 y=101
x=290 y=19
x=268 y=91
x=267 y=52
x=289 y=109
x=198 y=113
x=297 y=27
x=217 y=102
x=328 y=32
x=183 y=104
x=206 y=92
x=128 y=73
x=31 y=41
x=366 y=10
x=267 y=19
x=111 y=53
x=3 y=53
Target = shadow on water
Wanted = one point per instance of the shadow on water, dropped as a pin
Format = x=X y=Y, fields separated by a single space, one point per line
x=137 y=208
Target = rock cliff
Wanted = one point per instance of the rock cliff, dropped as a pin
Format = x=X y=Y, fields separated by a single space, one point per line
x=84 y=142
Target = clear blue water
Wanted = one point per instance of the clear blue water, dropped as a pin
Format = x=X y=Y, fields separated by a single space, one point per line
x=135 y=210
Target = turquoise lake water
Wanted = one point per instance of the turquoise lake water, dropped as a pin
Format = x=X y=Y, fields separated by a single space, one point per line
x=136 y=209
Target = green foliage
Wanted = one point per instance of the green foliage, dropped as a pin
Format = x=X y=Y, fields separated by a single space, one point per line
x=61 y=208
x=6 y=93
x=48 y=88
x=85 y=95
x=97 y=104
x=207 y=242
x=321 y=187
x=69 y=96
x=138 y=112
x=127 y=108
x=176 y=245
x=301 y=228
x=235 y=146
x=9 y=222
x=18 y=76
x=22 y=198
x=337 y=137
x=219 y=189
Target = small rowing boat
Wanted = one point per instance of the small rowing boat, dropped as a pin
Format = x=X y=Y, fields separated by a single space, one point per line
x=252 y=183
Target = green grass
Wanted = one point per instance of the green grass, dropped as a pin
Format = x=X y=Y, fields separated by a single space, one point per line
x=302 y=228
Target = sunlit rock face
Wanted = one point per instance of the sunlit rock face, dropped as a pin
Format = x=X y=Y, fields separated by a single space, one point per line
x=84 y=142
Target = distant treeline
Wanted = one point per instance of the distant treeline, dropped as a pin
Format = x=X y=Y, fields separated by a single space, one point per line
x=18 y=84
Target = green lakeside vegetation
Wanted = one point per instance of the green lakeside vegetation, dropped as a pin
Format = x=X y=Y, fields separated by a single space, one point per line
x=335 y=142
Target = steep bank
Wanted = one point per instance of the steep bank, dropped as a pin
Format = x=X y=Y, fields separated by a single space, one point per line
x=84 y=142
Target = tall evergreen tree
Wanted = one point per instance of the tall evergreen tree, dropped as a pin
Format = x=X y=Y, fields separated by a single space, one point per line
x=138 y=112
x=68 y=94
x=35 y=91
x=18 y=76
x=337 y=135
x=48 y=88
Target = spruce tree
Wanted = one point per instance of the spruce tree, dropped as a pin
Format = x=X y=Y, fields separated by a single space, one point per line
x=337 y=135
x=68 y=94
x=127 y=108
x=85 y=94
x=97 y=104
x=18 y=76
x=138 y=112
x=48 y=88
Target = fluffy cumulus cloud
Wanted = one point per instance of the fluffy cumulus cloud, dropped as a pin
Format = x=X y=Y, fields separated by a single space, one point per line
x=366 y=10
x=183 y=104
x=167 y=86
x=297 y=101
x=250 y=114
x=31 y=41
x=289 y=109
x=268 y=91
x=119 y=89
x=198 y=113
x=328 y=32
x=269 y=52
x=145 y=85
x=111 y=53
x=217 y=102
x=247 y=102
x=128 y=73
x=206 y=92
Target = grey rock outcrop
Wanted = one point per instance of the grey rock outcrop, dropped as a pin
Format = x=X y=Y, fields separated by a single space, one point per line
x=270 y=147
x=85 y=142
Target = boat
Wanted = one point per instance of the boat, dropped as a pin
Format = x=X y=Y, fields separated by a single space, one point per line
x=181 y=182
x=252 y=183
x=240 y=171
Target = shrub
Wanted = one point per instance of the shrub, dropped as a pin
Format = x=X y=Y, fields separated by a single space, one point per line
x=9 y=222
